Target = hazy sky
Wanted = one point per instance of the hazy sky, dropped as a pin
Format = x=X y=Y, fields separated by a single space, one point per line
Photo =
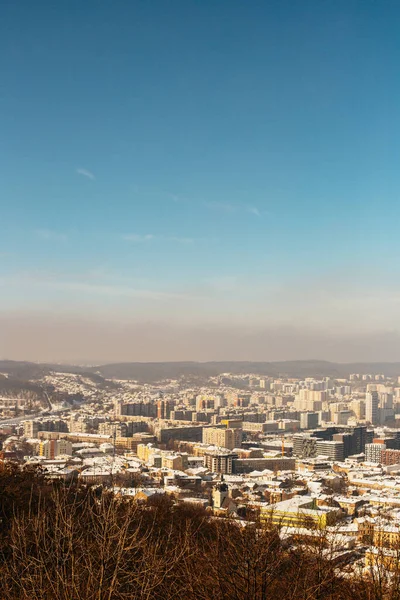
x=199 y=179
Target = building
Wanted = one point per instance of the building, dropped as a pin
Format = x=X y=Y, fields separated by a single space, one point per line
x=221 y=499
x=334 y=450
x=135 y=409
x=253 y=427
x=386 y=407
x=278 y=463
x=347 y=439
x=359 y=438
x=386 y=536
x=222 y=437
x=175 y=462
x=63 y=447
x=390 y=457
x=358 y=408
x=187 y=434
x=115 y=429
x=204 y=403
x=243 y=400
x=289 y=424
x=220 y=494
x=308 y=420
x=163 y=409
x=373 y=452
x=300 y=511
x=230 y=423
x=78 y=425
x=146 y=451
x=376 y=558
x=310 y=400
x=304 y=445
x=219 y=462
x=181 y=415
x=53 y=448
x=372 y=408
x=47 y=449
x=395 y=434
x=342 y=416
x=31 y=429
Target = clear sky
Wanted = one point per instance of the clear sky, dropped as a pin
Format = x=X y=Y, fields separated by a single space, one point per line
x=210 y=179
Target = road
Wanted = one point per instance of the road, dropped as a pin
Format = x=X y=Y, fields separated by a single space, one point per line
x=16 y=420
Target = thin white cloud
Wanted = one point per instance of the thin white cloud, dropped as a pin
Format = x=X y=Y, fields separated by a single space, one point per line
x=222 y=206
x=86 y=173
x=228 y=207
x=137 y=238
x=140 y=239
x=114 y=291
x=181 y=240
x=253 y=210
x=43 y=282
x=50 y=235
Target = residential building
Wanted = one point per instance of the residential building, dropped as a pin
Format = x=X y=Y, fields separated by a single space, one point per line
x=373 y=452
x=219 y=462
x=31 y=429
x=222 y=437
x=390 y=457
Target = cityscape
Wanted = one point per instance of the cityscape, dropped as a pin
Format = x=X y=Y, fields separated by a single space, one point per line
x=199 y=300
x=309 y=455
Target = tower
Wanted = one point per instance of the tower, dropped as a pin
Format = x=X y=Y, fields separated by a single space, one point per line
x=372 y=408
x=220 y=494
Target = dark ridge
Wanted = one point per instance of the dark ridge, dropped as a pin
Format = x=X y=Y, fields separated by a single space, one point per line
x=158 y=371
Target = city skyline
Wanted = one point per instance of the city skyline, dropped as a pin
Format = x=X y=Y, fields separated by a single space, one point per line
x=189 y=181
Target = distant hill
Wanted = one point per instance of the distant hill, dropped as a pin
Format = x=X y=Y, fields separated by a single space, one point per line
x=157 y=371
x=302 y=368
x=27 y=371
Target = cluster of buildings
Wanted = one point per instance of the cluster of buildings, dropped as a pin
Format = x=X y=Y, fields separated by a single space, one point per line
x=309 y=455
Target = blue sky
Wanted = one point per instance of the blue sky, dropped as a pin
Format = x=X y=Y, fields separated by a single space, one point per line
x=202 y=164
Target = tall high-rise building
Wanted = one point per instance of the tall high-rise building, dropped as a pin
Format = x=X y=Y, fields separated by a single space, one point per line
x=347 y=439
x=386 y=407
x=308 y=420
x=163 y=409
x=372 y=407
x=359 y=439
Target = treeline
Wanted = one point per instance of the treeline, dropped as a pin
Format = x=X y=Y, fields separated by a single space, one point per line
x=82 y=543
x=11 y=387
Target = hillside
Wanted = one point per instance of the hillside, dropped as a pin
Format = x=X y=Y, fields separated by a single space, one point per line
x=151 y=372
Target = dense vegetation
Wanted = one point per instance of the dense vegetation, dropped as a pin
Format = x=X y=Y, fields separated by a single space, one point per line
x=80 y=543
